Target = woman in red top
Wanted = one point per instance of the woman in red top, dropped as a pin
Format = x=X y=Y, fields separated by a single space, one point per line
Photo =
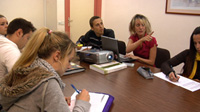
x=143 y=45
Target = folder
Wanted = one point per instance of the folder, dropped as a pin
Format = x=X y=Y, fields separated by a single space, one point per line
x=100 y=102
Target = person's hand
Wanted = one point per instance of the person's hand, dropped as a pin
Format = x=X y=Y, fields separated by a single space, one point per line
x=84 y=95
x=173 y=78
x=79 y=46
x=197 y=80
x=147 y=37
x=68 y=100
x=131 y=56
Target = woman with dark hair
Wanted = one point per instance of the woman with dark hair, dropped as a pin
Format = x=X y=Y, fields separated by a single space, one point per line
x=190 y=58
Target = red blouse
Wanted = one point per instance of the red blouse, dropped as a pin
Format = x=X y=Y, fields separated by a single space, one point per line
x=143 y=51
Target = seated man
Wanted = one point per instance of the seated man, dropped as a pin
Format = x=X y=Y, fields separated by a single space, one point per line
x=18 y=33
x=93 y=36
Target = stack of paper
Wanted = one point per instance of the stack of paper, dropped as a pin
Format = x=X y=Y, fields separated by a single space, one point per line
x=108 y=67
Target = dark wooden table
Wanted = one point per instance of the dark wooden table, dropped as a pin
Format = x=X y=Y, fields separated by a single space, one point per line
x=133 y=93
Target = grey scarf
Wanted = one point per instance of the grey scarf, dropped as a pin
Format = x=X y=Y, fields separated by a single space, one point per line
x=44 y=64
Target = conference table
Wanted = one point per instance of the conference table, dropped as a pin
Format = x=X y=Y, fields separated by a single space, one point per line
x=132 y=92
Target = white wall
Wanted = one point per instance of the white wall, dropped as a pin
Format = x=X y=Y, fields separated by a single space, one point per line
x=31 y=10
x=49 y=13
x=172 y=31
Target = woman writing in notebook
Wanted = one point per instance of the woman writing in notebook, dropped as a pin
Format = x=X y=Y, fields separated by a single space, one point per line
x=190 y=57
x=143 y=45
x=34 y=83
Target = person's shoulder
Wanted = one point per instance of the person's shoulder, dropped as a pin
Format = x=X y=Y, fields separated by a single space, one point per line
x=108 y=30
x=186 y=51
x=90 y=31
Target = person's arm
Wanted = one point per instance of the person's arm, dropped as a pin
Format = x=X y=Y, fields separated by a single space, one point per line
x=152 y=56
x=55 y=100
x=10 y=56
x=166 y=67
x=86 y=38
x=131 y=46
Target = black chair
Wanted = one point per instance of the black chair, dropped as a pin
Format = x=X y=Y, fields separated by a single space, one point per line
x=1 y=107
x=162 y=55
x=122 y=47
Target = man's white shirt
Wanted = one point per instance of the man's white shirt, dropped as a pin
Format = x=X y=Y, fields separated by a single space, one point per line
x=9 y=54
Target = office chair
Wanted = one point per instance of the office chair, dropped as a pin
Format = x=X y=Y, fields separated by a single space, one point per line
x=122 y=47
x=162 y=55
x=79 y=39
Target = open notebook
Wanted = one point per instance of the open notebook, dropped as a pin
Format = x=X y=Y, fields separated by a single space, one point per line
x=100 y=102
x=111 y=44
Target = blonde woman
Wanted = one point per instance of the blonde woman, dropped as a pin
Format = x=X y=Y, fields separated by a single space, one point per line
x=143 y=45
x=34 y=84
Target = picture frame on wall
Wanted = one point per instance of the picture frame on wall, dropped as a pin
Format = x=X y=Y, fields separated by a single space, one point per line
x=190 y=7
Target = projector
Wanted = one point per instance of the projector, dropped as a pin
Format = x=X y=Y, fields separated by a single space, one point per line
x=96 y=56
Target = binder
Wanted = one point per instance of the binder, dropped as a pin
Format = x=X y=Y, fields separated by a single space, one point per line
x=100 y=102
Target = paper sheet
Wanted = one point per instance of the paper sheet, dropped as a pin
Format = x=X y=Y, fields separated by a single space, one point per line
x=183 y=82
x=97 y=101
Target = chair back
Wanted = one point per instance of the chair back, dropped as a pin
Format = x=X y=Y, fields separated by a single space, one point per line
x=161 y=56
x=122 y=47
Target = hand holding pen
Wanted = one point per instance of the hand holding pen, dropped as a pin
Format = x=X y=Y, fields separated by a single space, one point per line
x=173 y=76
x=83 y=95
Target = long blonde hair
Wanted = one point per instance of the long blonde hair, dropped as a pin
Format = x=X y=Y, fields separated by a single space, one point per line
x=42 y=43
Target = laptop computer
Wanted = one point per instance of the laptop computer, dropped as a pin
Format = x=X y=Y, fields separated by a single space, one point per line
x=111 y=44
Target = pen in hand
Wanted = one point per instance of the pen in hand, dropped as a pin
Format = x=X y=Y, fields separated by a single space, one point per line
x=173 y=71
x=75 y=88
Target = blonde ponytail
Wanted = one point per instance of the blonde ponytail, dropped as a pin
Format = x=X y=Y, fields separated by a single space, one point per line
x=42 y=43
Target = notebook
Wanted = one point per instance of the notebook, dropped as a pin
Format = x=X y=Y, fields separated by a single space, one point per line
x=111 y=44
x=100 y=102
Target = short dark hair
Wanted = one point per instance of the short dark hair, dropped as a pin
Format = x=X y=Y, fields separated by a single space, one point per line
x=20 y=23
x=92 y=19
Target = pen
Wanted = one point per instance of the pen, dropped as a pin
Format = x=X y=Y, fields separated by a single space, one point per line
x=75 y=88
x=173 y=71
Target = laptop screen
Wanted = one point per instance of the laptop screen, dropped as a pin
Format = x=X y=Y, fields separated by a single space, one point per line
x=110 y=44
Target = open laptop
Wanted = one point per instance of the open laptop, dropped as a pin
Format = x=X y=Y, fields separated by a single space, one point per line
x=111 y=44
